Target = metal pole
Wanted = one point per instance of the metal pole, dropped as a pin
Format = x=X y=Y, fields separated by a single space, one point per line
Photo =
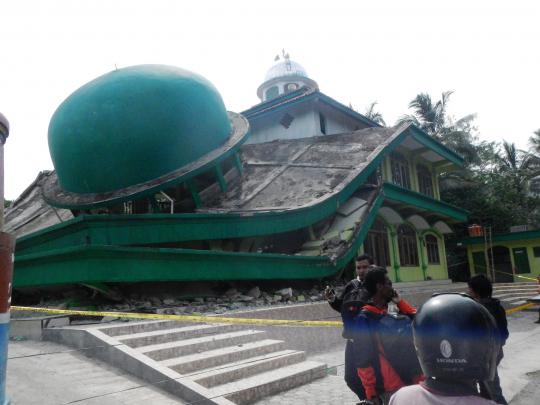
x=492 y=257
x=4 y=133
x=486 y=255
x=7 y=246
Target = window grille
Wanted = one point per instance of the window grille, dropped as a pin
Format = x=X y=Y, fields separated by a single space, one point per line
x=432 y=247
x=400 y=171
x=376 y=244
x=408 y=248
x=425 y=181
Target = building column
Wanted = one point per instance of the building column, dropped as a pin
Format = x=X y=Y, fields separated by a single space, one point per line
x=395 y=253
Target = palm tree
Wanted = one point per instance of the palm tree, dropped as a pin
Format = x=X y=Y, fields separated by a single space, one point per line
x=429 y=116
x=373 y=115
x=521 y=166
x=535 y=141
x=432 y=118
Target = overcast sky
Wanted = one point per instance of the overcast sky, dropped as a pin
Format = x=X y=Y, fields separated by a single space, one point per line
x=487 y=52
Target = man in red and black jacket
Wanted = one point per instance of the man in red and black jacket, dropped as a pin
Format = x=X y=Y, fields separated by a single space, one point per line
x=385 y=354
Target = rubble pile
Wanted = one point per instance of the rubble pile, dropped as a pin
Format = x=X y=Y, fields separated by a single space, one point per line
x=233 y=299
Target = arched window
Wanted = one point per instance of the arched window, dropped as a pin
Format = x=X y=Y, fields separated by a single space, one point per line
x=272 y=92
x=432 y=248
x=400 y=170
x=408 y=249
x=376 y=244
x=291 y=87
x=425 y=183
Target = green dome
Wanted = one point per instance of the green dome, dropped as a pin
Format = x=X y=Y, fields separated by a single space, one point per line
x=133 y=125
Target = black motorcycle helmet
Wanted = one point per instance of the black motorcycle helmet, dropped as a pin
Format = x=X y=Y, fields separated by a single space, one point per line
x=455 y=339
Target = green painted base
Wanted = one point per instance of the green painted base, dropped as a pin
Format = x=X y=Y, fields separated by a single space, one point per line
x=101 y=264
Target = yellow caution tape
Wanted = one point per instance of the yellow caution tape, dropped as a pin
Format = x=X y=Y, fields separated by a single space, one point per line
x=185 y=318
x=509 y=274
x=207 y=319
x=516 y=275
x=518 y=308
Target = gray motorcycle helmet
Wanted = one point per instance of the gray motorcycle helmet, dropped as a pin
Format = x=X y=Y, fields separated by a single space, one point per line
x=456 y=339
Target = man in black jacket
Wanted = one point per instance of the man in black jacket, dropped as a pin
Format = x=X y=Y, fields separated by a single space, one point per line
x=481 y=289
x=345 y=303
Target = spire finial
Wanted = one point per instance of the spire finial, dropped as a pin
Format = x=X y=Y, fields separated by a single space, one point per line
x=285 y=54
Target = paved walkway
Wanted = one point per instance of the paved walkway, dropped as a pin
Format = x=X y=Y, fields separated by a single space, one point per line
x=330 y=390
x=68 y=377
x=518 y=371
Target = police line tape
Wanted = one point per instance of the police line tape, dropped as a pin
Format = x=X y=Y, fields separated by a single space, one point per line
x=206 y=319
x=519 y=308
x=505 y=272
x=185 y=318
x=516 y=275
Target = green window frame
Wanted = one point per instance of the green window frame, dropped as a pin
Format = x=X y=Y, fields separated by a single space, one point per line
x=425 y=180
x=432 y=249
x=376 y=244
x=407 y=245
x=400 y=171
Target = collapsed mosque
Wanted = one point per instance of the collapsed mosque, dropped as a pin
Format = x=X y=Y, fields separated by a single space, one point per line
x=155 y=181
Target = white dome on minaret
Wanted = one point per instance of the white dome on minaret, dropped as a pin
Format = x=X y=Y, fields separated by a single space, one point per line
x=284 y=77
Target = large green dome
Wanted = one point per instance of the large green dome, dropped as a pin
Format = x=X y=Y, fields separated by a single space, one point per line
x=133 y=125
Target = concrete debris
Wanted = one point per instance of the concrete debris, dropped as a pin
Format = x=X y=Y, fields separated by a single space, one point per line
x=285 y=293
x=231 y=292
x=232 y=299
x=255 y=292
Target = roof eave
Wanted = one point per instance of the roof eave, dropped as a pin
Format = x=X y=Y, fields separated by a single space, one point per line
x=437 y=147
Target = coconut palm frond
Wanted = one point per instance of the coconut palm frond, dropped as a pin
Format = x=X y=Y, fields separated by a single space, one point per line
x=406 y=119
x=374 y=115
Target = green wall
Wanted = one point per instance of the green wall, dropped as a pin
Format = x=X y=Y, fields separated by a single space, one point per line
x=397 y=272
x=528 y=244
x=413 y=159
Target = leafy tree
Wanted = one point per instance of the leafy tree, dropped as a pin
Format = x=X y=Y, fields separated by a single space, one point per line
x=495 y=183
x=432 y=118
x=519 y=166
x=535 y=141
x=428 y=115
x=374 y=115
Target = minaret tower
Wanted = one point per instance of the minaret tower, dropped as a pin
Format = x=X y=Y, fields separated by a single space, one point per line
x=284 y=77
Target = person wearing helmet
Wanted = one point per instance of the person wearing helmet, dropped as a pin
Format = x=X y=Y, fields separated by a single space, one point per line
x=481 y=289
x=383 y=343
x=457 y=345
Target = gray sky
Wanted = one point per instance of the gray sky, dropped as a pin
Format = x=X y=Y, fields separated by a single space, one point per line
x=358 y=52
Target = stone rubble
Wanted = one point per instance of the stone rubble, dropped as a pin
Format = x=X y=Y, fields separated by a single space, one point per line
x=233 y=299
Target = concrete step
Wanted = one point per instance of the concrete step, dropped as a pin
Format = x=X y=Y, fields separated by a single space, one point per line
x=512 y=300
x=516 y=303
x=516 y=287
x=218 y=357
x=430 y=283
x=163 y=351
x=246 y=368
x=126 y=328
x=170 y=335
x=497 y=285
x=433 y=289
x=515 y=294
x=512 y=290
x=251 y=389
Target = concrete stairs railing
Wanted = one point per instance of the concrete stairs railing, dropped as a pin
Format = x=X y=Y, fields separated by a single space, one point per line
x=211 y=363
x=514 y=294
x=510 y=294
